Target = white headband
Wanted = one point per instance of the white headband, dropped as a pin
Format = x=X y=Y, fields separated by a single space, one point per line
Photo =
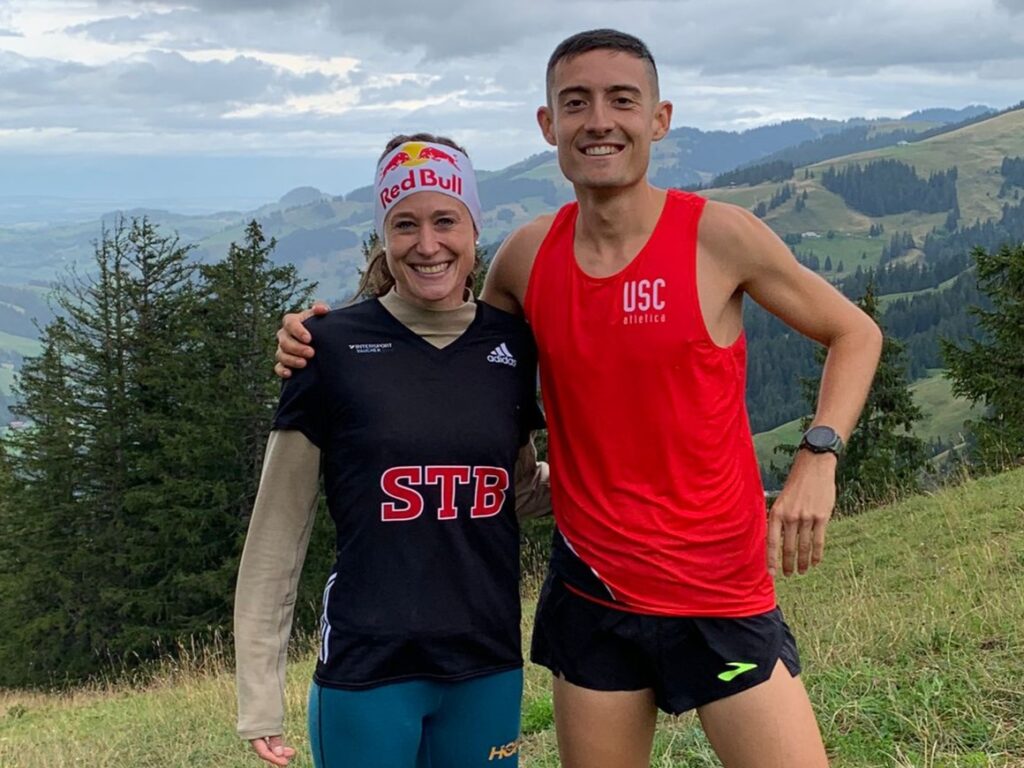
x=419 y=166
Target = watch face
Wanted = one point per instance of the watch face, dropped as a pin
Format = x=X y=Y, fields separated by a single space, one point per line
x=820 y=437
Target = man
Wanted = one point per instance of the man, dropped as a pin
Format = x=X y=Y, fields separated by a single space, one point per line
x=660 y=594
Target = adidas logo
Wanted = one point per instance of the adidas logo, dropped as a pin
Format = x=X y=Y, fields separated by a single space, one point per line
x=501 y=354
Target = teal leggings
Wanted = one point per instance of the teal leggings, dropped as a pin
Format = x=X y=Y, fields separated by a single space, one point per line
x=418 y=724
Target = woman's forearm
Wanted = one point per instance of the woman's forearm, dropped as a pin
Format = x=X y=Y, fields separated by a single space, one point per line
x=268 y=577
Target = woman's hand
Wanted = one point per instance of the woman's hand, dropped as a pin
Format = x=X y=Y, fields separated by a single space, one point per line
x=273 y=750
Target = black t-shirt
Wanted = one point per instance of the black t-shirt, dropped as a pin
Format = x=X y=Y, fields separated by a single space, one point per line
x=419 y=446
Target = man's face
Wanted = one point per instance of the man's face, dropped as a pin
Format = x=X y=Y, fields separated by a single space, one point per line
x=603 y=114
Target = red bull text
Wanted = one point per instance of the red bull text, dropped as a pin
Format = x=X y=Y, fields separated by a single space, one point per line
x=422 y=179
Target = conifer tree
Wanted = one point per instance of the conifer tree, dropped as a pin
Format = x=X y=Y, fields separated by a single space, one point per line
x=218 y=449
x=47 y=541
x=97 y=400
x=130 y=489
x=991 y=370
x=883 y=459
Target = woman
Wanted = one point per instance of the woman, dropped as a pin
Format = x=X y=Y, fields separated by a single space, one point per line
x=418 y=406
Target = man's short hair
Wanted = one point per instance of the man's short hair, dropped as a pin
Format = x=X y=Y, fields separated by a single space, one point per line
x=601 y=40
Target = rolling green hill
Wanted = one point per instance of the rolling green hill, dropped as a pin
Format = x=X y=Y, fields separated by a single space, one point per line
x=976 y=151
x=911 y=635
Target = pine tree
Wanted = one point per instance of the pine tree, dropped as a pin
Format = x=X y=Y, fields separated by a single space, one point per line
x=217 y=451
x=47 y=541
x=883 y=459
x=96 y=401
x=129 y=491
x=991 y=370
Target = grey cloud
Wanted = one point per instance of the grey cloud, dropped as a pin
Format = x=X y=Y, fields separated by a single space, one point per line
x=840 y=39
x=187 y=28
x=414 y=88
x=303 y=31
x=9 y=33
x=441 y=29
x=701 y=36
x=485 y=63
x=144 y=92
x=231 y=6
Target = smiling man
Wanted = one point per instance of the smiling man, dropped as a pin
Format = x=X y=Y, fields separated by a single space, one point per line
x=660 y=592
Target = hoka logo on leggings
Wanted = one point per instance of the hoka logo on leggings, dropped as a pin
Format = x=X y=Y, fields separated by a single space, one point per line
x=501 y=752
x=325 y=623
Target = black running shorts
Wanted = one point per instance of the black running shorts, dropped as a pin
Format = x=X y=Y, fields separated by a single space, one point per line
x=689 y=662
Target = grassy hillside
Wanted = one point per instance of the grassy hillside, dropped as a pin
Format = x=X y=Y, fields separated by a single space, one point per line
x=911 y=634
x=944 y=417
x=976 y=150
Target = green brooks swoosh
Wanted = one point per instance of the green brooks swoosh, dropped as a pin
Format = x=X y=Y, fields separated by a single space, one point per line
x=739 y=668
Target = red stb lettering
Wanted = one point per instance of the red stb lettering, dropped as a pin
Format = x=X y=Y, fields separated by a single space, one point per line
x=447 y=477
x=391 y=484
x=491 y=484
x=406 y=500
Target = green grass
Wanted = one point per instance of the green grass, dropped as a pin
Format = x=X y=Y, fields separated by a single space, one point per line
x=911 y=635
x=766 y=442
x=944 y=414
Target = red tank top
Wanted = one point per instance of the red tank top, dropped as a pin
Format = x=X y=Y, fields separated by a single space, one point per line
x=655 y=483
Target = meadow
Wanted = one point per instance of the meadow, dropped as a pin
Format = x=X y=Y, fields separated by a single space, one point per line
x=911 y=633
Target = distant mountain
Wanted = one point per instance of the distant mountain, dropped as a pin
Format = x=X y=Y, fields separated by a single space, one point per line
x=941 y=115
x=302 y=196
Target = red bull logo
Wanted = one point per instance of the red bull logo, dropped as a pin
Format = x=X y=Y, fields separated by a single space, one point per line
x=395 y=162
x=415 y=153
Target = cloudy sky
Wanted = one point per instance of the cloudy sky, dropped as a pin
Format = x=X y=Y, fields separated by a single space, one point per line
x=252 y=97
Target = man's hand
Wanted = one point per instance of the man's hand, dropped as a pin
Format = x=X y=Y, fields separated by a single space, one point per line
x=800 y=514
x=273 y=750
x=293 y=340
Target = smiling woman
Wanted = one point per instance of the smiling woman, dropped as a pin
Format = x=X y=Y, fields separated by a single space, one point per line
x=443 y=219
x=417 y=408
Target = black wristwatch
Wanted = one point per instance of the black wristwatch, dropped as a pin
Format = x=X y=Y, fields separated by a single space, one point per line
x=822 y=440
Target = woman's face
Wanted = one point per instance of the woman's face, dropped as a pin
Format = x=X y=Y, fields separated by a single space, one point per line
x=431 y=247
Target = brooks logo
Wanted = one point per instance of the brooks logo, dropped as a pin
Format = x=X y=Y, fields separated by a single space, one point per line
x=738 y=668
x=501 y=354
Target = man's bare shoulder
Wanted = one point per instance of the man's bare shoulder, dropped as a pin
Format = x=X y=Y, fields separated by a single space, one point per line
x=509 y=273
x=735 y=238
x=725 y=226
